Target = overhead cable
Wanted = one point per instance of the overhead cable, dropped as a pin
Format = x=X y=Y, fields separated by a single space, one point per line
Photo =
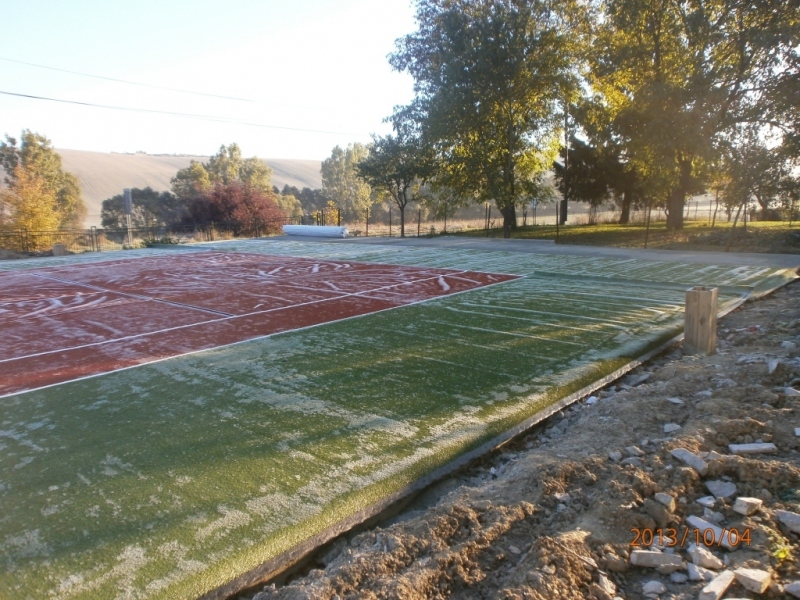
x=212 y=118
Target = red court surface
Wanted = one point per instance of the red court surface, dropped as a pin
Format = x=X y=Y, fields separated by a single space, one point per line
x=64 y=323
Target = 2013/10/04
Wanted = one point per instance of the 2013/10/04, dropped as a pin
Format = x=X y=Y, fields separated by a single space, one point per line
x=669 y=538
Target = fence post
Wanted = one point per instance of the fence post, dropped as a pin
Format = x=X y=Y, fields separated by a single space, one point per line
x=419 y=218
x=368 y=221
x=338 y=217
x=390 y=221
x=700 y=324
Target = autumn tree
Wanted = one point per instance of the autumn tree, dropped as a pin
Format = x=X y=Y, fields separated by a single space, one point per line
x=246 y=208
x=225 y=167
x=341 y=183
x=490 y=76
x=34 y=167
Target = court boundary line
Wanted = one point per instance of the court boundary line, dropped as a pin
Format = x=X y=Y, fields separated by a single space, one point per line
x=253 y=339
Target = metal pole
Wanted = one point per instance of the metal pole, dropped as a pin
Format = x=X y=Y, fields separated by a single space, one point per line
x=419 y=218
x=647 y=228
x=390 y=221
x=368 y=221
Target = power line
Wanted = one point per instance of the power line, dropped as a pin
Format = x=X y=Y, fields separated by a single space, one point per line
x=152 y=86
x=212 y=118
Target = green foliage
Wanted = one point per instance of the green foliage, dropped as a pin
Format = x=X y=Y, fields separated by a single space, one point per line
x=670 y=78
x=225 y=167
x=289 y=205
x=398 y=165
x=342 y=185
x=489 y=77
x=39 y=191
x=148 y=208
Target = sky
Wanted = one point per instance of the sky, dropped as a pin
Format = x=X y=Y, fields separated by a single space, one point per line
x=310 y=74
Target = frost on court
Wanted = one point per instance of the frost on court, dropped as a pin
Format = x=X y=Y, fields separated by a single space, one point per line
x=170 y=479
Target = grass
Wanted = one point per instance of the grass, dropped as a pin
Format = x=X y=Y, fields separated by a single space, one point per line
x=170 y=479
x=759 y=236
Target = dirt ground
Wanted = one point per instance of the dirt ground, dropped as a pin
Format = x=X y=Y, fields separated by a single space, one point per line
x=559 y=512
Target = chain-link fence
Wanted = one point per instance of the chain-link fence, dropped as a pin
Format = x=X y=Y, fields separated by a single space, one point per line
x=95 y=239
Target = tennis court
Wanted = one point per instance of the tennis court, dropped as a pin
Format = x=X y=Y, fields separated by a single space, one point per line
x=64 y=323
x=178 y=467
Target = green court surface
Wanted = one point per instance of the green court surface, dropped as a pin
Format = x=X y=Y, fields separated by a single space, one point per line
x=171 y=479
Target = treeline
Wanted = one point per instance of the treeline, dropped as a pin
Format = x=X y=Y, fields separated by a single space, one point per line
x=659 y=101
x=227 y=189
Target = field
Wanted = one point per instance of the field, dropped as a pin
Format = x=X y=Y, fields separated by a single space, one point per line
x=170 y=479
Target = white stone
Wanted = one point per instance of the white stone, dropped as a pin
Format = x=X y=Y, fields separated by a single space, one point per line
x=789 y=345
x=747 y=506
x=703 y=526
x=653 y=587
x=591 y=400
x=679 y=578
x=773 y=364
x=754 y=580
x=634 y=451
x=717 y=587
x=707 y=501
x=608 y=586
x=675 y=400
x=721 y=489
x=762 y=448
x=615 y=455
x=671 y=427
x=666 y=500
x=793 y=588
x=699 y=573
x=790 y=391
x=656 y=560
x=713 y=516
x=692 y=460
x=790 y=519
x=797 y=431
x=702 y=557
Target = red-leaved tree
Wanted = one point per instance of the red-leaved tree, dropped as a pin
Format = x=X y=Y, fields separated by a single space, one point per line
x=240 y=206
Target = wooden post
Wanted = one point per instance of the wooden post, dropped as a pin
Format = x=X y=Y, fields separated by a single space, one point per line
x=700 y=325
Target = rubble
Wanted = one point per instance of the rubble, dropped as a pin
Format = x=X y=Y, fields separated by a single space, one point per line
x=717 y=587
x=691 y=460
x=747 y=506
x=755 y=580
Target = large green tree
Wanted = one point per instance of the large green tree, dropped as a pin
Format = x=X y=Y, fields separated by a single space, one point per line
x=341 y=183
x=490 y=76
x=35 y=165
x=398 y=165
x=225 y=167
x=672 y=76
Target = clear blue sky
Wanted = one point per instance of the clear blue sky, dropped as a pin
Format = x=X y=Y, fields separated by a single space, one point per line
x=309 y=64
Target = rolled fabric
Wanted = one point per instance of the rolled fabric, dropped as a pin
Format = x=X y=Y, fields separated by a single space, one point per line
x=316 y=230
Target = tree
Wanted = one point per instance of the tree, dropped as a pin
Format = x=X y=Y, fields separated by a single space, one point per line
x=148 y=208
x=311 y=200
x=289 y=205
x=246 y=208
x=35 y=165
x=33 y=204
x=489 y=78
x=398 y=165
x=674 y=75
x=341 y=183
x=225 y=167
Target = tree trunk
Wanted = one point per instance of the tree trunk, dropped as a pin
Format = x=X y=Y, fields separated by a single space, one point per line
x=403 y=221
x=677 y=198
x=509 y=220
x=625 y=215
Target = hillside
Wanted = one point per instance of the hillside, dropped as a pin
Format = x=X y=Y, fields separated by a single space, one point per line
x=103 y=175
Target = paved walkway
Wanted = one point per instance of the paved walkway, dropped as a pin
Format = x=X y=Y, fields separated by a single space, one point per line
x=789 y=261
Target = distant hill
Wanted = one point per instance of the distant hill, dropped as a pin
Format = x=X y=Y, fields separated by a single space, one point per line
x=103 y=175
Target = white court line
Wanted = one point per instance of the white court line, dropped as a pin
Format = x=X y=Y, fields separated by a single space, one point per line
x=260 y=312
x=253 y=339
x=522 y=335
x=129 y=295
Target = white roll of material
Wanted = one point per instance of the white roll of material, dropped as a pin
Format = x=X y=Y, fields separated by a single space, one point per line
x=316 y=230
